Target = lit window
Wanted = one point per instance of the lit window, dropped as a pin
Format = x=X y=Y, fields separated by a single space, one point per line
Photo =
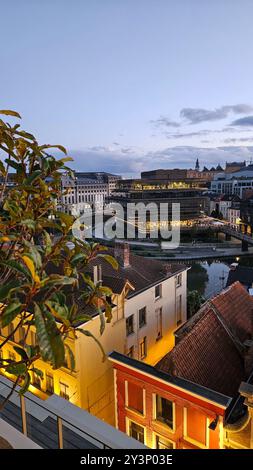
x=64 y=391
x=33 y=338
x=49 y=383
x=142 y=317
x=36 y=381
x=136 y=431
x=130 y=325
x=11 y=331
x=12 y=356
x=164 y=411
x=162 y=443
x=22 y=332
x=143 y=347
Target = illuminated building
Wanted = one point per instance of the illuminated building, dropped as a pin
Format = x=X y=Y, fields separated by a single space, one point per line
x=148 y=304
x=85 y=190
x=191 y=398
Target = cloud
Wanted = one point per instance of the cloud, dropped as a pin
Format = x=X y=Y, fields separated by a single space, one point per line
x=197 y=115
x=164 y=121
x=246 y=121
x=235 y=140
x=114 y=159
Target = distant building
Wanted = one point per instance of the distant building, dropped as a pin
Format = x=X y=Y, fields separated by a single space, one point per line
x=191 y=398
x=232 y=167
x=246 y=213
x=236 y=182
x=165 y=186
x=227 y=206
x=85 y=190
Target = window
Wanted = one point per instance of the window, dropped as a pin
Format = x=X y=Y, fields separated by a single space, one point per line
x=130 y=352
x=136 y=431
x=162 y=443
x=49 y=383
x=64 y=391
x=179 y=310
x=159 y=317
x=36 y=381
x=143 y=347
x=164 y=411
x=21 y=334
x=158 y=291
x=33 y=338
x=130 y=325
x=178 y=280
x=11 y=331
x=134 y=398
x=142 y=317
x=12 y=356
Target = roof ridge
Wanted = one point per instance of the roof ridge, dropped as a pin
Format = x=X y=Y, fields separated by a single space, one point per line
x=238 y=344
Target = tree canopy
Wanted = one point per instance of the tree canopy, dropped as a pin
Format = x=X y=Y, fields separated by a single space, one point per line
x=40 y=259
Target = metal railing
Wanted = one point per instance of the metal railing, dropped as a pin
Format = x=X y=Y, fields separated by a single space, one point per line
x=77 y=435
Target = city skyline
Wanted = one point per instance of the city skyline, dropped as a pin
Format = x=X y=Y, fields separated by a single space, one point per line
x=132 y=86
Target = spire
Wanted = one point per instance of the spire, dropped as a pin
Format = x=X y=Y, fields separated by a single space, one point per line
x=197 y=165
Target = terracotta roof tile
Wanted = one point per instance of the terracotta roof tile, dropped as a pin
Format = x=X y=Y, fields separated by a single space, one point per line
x=206 y=353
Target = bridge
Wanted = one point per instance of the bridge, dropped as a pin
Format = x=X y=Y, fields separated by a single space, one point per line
x=229 y=232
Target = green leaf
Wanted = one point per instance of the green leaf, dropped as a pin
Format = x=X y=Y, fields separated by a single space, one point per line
x=48 y=146
x=71 y=356
x=9 y=112
x=10 y=312
x=59 y=311
x=6 y=289
x=90 y=335
x=49 y=337
x=78 y=258
x=48 y=242
x=42 y=334
x=38 y=372
x=112 y=261
x=16 y=369
x=35 y=175
x=26 y=383
x=16 y=266
x=21 y=352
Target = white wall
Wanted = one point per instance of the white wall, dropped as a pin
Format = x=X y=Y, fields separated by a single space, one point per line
x=156 y=349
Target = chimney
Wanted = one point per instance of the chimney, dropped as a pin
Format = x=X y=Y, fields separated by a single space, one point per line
x=122 y=253
x=97 y=274
x=168 y=268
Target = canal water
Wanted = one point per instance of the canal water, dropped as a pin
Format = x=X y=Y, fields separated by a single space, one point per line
x=210 y=277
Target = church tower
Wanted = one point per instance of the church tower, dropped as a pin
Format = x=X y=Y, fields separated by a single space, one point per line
x=197 y=165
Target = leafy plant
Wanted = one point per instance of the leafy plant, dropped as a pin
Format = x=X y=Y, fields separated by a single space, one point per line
x=194 y=302
x=42 y=266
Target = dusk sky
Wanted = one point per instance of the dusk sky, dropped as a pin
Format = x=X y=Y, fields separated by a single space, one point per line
x=131 y=85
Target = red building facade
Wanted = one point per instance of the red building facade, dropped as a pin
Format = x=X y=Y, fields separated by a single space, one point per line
x=166 y=412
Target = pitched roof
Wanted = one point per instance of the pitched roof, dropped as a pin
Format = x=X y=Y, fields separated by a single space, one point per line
x=236 y=307
x=142 y=273
x=208 y=351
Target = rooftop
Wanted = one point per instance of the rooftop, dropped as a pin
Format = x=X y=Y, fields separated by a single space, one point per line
x=140 y=272
x=209 y=349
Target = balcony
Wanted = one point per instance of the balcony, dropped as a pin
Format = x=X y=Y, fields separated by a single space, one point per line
x=29 y=422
